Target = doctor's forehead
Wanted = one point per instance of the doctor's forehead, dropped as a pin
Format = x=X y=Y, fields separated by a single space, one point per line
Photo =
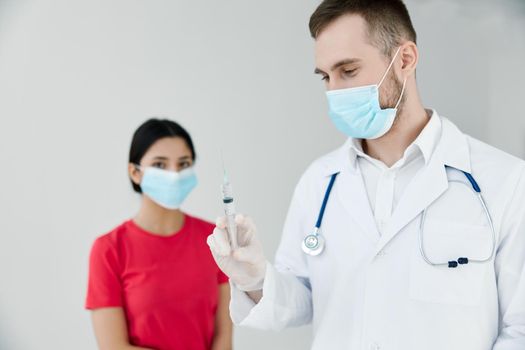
x=346 y=38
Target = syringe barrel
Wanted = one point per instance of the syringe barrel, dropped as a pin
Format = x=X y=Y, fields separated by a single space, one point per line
x=227 y=191
x=229 y=210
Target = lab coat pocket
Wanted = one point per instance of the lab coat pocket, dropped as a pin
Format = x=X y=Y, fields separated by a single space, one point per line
x=445 y=241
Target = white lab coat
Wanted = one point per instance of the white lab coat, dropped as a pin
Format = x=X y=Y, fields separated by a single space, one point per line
x=372 y=291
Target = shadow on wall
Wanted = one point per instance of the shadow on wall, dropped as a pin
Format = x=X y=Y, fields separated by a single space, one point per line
x=7 y=9
x=5 y=342
x=516 y=6
x=484 y=8
x=480 y=8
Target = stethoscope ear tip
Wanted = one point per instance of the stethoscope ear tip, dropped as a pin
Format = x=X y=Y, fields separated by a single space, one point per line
x=461 y=261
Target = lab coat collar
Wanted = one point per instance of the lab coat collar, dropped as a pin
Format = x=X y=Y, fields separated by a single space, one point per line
x=337 y=160
x=454 y=147
x=428 y=139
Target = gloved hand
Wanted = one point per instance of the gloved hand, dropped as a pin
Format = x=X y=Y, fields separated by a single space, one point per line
x=246 y=265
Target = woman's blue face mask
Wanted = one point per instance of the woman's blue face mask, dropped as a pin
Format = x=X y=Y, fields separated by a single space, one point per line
x=167 y=188
x=356 y=111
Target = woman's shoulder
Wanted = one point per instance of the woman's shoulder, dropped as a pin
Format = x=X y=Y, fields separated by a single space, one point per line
x=200 y=225
x=111 y=239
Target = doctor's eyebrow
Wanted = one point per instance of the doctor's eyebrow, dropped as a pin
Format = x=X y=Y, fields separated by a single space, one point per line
x=338 y=64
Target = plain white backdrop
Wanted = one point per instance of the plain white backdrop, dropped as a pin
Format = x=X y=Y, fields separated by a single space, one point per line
x=77 y=78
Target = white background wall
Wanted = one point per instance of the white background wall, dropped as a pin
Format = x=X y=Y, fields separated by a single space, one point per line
x=77 y=77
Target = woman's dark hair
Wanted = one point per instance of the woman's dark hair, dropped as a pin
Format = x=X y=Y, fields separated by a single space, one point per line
x=150 y=132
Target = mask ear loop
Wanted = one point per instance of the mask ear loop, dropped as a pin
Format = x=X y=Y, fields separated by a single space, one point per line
x=388 y=69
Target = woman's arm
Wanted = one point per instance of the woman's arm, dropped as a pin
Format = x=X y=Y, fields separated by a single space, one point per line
x=110 y=329
x=223 y=323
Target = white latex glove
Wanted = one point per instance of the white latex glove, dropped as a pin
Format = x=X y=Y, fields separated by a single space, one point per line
x=246 y=265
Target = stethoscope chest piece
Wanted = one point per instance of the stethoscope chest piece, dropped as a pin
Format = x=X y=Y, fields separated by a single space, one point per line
x=313 y=244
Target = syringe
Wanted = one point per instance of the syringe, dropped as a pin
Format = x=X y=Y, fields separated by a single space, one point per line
x=229 y=210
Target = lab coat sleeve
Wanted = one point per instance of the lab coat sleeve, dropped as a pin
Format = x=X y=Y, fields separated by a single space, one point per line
x=510 y=270
x=287 y=299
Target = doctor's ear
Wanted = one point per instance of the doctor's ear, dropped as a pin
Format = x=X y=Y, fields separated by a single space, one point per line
x=409 y=54
x=135 y=175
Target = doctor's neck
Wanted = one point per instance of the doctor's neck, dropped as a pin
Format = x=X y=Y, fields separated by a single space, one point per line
x=410 y=120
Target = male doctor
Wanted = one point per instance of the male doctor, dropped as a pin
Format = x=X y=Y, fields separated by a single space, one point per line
x=422 y=241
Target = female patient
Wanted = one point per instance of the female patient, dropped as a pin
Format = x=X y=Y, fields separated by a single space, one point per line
x=153 y=283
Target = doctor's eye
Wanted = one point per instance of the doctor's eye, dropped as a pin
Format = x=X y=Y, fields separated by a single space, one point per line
x=349 y=72
x=325 y=78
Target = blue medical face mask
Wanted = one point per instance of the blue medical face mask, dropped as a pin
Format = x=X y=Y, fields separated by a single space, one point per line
x=356 y=111
x=167 y=188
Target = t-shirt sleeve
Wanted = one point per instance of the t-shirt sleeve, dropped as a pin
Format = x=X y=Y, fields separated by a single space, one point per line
x=222 y=277
x=104 y=284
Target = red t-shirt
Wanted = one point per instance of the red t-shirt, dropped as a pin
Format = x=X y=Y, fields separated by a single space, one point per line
x=167 y=285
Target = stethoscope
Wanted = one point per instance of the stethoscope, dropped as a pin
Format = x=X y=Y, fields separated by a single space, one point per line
x=314 y=243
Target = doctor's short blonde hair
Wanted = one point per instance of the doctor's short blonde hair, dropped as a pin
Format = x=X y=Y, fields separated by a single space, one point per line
x=388 y=21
